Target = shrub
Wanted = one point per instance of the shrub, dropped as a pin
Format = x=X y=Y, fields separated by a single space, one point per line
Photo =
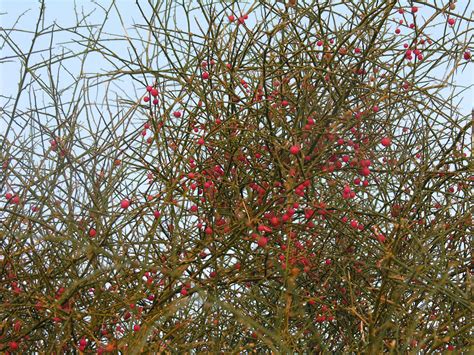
x=286 y=177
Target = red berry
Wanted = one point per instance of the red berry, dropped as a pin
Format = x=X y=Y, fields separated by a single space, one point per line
x=467 y=55
x=275 y=221
x=295 y=149
x=386 y=141
x=231 y=18
x=125 y=203
x=205 y=75
x=136 y=327
x=177 y=114
x=146 y=99
x=262 y=242
x=92 y=232
x=451 y=21
x=365 y=171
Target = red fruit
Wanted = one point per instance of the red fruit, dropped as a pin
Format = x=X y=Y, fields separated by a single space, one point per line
x=136 y=327
x=8 y=196
x=156 y=214
x=200 y=141
x=262 y=242
x=146 y=99
x=231 y=18
x=154 y=92
x=92 y=232
x=386 y=141
x=414 y=9
x=149 y=88
x=205 y=75
x=125 y=203
x=365 y=171
x=177 y=114
x=375 y=108
x=184 y=292
x=295 y=149
x=275 y=221
x=451 y=21
x=13 y=345
x=467 y=55
x=262 y=228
